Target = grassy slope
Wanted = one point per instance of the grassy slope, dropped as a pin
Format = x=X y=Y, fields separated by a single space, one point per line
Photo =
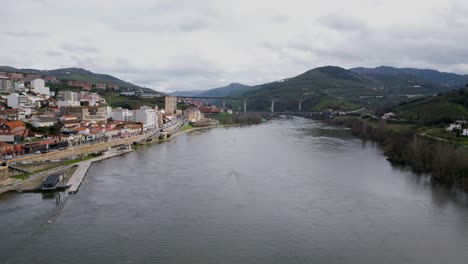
x=325 y=87
x=436 y=107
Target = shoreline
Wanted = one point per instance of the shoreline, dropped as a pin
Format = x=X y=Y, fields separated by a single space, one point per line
x=35 y=176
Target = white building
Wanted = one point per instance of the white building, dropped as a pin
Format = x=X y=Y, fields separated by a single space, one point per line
x=91 y=99
x=147 y=116
x=40 y=121
x=18 y=86
x=127 y=93
x=15 y=101
x=454 y=126
x=69 y=96
x=120 y=114
x=38 y=86
x=5 y=84
x=465 y=132
x=65 y=103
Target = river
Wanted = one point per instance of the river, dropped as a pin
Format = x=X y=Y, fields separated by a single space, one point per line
x=281 y=192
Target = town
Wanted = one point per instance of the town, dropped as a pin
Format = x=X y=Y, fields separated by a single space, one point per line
x=40 y=125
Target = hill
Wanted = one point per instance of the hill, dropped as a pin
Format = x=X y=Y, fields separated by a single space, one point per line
x=447 y=106
x=186 y=93
x=329 y=87
x=79 y=74
x=330 y=80
x=411 y=80
x=225 y=90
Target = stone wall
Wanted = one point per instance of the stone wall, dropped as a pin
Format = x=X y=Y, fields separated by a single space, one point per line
x=80 y=150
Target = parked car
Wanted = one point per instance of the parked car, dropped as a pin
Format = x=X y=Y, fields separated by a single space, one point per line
x=8 y=157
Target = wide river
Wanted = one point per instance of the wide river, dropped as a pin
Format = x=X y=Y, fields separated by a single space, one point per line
x=281 y=192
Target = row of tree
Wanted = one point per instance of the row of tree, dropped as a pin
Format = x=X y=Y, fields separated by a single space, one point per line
x=446 y=162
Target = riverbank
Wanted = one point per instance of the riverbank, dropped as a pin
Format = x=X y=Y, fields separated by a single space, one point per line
x=32 y=181
x=406 y=145
x=73 y=172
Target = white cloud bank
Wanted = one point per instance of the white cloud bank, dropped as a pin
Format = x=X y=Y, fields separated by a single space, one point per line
x=199 y=44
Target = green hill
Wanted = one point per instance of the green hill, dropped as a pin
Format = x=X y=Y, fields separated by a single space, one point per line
x=401 y=81
x=81 y=75
x=447 y=106
x=224 y=91
x=329 y=80
x=324 y=87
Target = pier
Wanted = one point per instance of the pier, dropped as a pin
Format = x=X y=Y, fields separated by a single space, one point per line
x=76 y=179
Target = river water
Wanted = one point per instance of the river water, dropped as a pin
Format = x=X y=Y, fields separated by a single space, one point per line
x=281 y=192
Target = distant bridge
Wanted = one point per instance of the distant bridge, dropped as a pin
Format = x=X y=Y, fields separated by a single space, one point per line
x=273 y=99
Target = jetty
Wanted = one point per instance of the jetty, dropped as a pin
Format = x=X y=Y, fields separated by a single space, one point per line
x=75 y=180
x=77 y=177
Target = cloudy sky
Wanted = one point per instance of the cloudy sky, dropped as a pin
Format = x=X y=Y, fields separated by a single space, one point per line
x=200 y=44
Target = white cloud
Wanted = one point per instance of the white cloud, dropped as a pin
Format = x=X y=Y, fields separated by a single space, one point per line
x=200 y=44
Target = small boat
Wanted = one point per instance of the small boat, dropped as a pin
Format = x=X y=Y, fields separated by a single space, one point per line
x=50 y=183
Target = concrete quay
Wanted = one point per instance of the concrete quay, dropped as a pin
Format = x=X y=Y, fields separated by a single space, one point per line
x=76 y=179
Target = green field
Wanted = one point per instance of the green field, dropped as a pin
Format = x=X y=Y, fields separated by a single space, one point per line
x=449 y=106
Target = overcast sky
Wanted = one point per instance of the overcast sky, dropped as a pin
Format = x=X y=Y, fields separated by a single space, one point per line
x=200 y=44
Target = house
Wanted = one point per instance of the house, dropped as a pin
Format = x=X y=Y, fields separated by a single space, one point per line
x=67 y=103
x=127 y=93
x=78 y=111
x=6 y=149
x=388 y=115
x=68 y=117
x=42 y=121
x=10 y=114
x=11 y=131
x=149 y=95
x=82 y=84
x=31 y=77
x=68 y=126
x=91 y=99
x=51 y=79
x=15 y=76
x=193 y=115
x=100 y=86
x=114 y=87
x=465 y=132
x=454 y=126
x=82 y=130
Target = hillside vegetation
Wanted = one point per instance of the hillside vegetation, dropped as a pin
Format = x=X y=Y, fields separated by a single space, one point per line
x=447 y=106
